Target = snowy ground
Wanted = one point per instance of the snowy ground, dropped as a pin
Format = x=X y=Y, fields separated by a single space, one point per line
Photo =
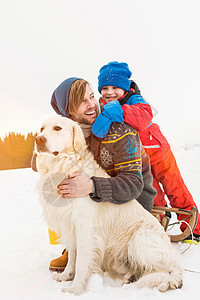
x=25 y=252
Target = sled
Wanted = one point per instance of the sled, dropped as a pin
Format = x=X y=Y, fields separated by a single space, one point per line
x=192 y=216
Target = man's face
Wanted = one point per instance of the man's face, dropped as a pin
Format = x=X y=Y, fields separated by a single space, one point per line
x=110 y=93
x=87 y=111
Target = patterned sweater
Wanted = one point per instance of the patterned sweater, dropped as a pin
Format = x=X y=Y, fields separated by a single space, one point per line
x=121 y=155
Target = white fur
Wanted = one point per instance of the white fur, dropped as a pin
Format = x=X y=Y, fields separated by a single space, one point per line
x=124 y=240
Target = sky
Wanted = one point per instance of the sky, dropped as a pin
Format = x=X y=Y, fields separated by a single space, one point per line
x=43 y=42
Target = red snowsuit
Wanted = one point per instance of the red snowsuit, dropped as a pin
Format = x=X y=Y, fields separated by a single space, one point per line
x=163 y=164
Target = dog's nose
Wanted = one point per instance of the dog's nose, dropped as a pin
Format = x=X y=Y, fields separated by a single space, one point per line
x=40 y=140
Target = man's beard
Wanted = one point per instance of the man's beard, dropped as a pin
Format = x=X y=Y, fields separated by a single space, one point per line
x=85 y=120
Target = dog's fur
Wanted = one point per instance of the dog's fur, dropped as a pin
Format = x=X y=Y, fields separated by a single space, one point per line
x=124 y=240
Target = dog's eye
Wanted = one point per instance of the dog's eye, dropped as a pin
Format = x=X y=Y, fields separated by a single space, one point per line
x=41 y=129
x=57 y=128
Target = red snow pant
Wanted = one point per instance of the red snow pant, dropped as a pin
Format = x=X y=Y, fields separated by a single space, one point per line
x=167 y=173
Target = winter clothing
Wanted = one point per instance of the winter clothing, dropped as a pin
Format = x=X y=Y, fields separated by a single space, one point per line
x=115 y=74
x=137 y=113
x=120 y=154
x=86 y=128
x=112 y=113
x=59 y=263
x=154 y=142
x=164 y=168
x=60 y=97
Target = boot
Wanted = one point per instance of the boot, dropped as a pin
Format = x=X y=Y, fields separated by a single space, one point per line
x=59 y=264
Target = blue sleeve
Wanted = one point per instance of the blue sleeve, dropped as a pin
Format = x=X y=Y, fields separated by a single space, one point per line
x=112 y=113
x=134 y=99
x=101 y=126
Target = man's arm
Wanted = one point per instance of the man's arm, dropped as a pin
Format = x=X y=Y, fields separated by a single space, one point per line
x=133 y=178
x=126 y=182
x=126 y=185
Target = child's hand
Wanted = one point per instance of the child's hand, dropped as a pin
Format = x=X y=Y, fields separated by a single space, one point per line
x=101 y=126
x=112 y=113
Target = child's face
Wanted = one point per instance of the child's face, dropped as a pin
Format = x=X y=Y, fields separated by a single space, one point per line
x=110 y=93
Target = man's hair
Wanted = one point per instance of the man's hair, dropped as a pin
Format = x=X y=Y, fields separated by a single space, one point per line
x=77 y=93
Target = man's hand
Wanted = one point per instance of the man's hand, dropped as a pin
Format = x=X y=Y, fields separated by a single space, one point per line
x=76 y=185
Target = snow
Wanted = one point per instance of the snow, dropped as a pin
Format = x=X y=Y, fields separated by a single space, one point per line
x=26 y=253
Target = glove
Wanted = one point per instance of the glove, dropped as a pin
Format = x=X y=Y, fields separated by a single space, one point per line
x=112 y=113
x=101 y=126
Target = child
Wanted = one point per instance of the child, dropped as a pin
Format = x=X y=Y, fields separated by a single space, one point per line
x=121 y=97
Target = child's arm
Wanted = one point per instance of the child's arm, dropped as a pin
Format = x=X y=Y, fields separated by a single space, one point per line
x=112 y=113
x=138 y=115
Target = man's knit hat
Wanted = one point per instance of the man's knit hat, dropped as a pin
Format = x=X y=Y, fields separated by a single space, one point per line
x=60 y=97
x=115 y=74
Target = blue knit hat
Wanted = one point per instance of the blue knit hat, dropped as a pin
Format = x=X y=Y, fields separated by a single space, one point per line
x=60 y=97
x=115 y=74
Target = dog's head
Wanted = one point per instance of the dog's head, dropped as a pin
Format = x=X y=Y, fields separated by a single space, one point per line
x=58 y=134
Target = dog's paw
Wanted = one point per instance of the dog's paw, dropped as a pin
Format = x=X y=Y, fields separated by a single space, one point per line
x=176 y=284
x=161 y=280
x=76 y=290
x=128 y=278
x=65 y=276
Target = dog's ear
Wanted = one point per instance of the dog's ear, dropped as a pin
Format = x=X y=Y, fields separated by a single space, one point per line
x=78 y=138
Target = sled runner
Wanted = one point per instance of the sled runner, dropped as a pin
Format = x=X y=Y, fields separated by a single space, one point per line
x=192 y=215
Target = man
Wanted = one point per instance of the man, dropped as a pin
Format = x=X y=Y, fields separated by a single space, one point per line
x=120 y=154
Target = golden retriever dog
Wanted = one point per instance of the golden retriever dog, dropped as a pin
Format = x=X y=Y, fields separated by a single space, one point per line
x=124 y=240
